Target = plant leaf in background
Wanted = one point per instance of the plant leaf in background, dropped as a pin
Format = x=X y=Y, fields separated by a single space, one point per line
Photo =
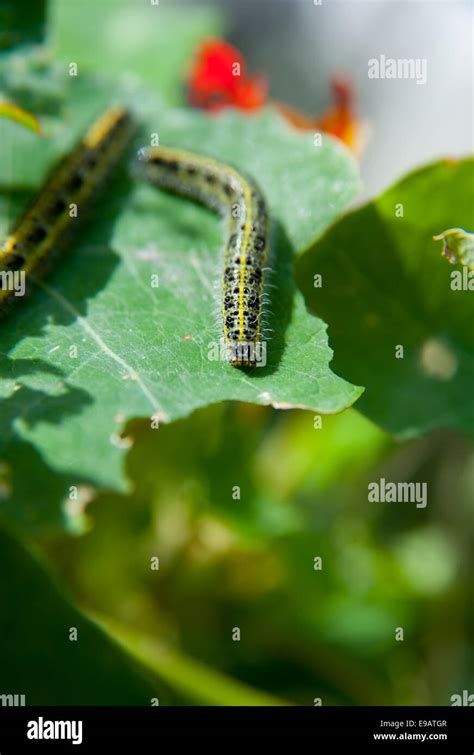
x=239 y=559
x=37 y=657
x=246 y=558
x=197 y=682
x=143 y=351
x=17 y=114
x=155 y=40
x=458 y=247
x=22 y=22
x=385 y=287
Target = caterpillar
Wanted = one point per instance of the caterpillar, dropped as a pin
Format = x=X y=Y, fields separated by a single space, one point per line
x=239 y=200
x=38 y=233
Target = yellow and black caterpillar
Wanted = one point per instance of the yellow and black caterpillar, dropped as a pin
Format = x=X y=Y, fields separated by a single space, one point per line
x=39 y=232
x=241 y=202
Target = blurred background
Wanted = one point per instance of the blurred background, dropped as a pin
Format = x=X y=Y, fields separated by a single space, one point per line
x=301 y=45
x=317 y=579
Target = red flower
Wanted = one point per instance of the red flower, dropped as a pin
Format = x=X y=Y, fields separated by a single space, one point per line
x=219 y=79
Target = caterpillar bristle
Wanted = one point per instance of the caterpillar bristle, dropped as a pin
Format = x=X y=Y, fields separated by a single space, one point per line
x=241 y=202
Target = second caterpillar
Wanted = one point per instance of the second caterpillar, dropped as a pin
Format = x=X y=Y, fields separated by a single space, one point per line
x=239 y=200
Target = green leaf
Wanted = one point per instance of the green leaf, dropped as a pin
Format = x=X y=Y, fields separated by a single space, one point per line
x=458 y=246
x=17 y=114
x=195 y=680
x=385 y=286
x=156 y=42
x=37 y=658
x=143 y=351
x=21 y=22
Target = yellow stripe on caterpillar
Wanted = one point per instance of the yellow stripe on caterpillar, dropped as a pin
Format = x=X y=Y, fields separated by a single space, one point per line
x=39 y=231
x=241 y=202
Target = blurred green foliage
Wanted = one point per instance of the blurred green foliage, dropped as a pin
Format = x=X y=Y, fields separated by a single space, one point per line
x=154 y=42
x=38 y=658
x=386 y=286
x=248 y=562
x=22 y=22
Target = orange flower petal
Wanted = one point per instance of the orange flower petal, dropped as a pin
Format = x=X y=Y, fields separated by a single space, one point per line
x=339 y=119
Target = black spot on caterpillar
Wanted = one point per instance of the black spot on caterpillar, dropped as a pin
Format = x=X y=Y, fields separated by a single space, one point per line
x=241 y=202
